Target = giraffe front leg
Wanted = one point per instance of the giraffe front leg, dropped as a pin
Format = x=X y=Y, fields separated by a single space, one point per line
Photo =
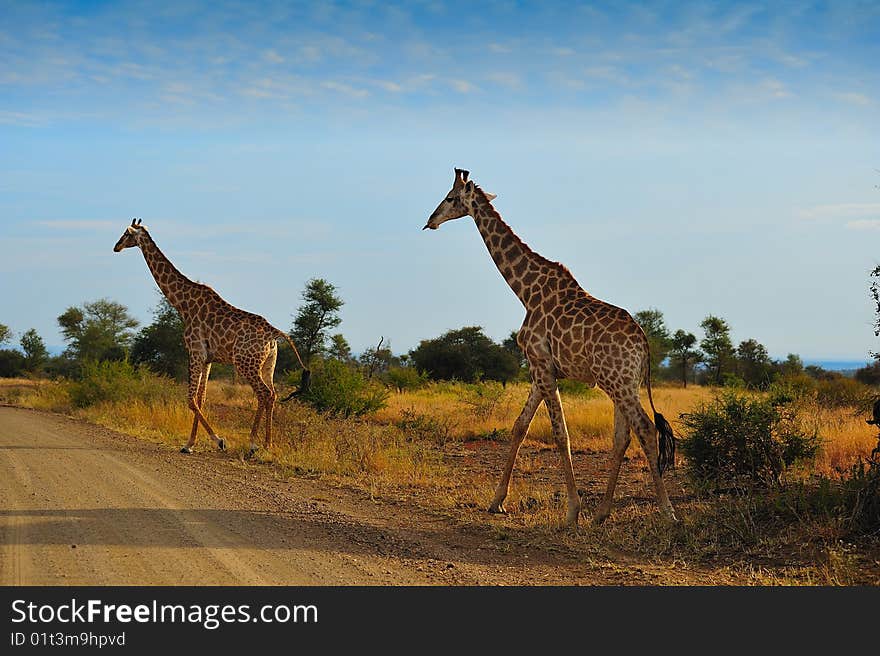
x=520 y=430
x=198 y=384
x=255 y=427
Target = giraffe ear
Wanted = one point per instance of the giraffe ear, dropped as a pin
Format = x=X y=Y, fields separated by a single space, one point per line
x=490 y=197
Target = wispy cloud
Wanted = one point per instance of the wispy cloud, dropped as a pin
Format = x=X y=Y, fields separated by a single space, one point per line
x=345 y=89
x=854 y=98
x=499 y=48
x=864 y=224
x=79 y=225
x=511 y=81
x=463 y=86
x=841 y=211
x=273 y=57
x=23 y=119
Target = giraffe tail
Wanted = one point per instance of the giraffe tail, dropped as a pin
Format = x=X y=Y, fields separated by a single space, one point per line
x=665 y=436
x=306 y=378
x=304 y=383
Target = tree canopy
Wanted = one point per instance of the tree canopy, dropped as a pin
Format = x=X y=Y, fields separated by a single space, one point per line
x=160 y=345
x=100 y=330
x=465 y=354
x=315 y=318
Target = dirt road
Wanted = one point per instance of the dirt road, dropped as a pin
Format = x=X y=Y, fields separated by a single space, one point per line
x=80 y=504
x=83 y=505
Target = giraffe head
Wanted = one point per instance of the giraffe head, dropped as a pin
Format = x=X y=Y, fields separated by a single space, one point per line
x=457 y=202
x=131 y=236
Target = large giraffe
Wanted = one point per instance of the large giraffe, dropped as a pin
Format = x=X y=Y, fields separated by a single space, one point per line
x=567 y=333
x=216 y=331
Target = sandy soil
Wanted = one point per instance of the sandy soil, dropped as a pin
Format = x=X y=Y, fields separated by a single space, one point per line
x=83 y=505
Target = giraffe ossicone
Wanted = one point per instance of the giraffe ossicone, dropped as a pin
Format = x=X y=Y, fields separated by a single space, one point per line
x=216 y=331
x=567 y=333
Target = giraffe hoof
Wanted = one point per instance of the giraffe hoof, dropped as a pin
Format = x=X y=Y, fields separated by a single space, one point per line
x=221 y=444
x=497 y=509
x=186 y=449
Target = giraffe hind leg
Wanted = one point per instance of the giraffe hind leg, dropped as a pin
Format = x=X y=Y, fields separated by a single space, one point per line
x=622 y=438
x=646 y=433
x=267 y=374
x=252 y=376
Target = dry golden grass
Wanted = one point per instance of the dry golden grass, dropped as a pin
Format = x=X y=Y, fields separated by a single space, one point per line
x=425 y=447
x=416 y=423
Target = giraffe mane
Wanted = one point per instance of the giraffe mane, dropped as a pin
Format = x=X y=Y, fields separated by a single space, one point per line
x=495 y=214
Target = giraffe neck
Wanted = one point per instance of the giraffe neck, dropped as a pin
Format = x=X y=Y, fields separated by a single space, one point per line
x=171 y=282
x=527 y=273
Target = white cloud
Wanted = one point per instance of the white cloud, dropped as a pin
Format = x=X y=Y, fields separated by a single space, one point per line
x=388 y=85
x=273 y=57
x=23 y=119
x=463 y=86
x=346 y=89
x=80 y=225
x=775 y=88
x=511 y=81
x=854 y=98
x=864 y=224
x=841 y=211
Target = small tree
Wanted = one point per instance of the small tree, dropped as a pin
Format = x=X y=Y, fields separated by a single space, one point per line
x=870 y=374
x=791 y=366
x=659 y=340
x=511 y=345
x=160 y=345
x=683 y=354
x=35 y=352
x=5 y=334
x=754 y=363
x=318 y=315
x=466 y=354
x=717 y=346
x=339 y=348
x=378 y=360
x=11 y=363
x=100 y=330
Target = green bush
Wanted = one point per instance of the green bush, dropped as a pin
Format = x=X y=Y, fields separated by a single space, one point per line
x=736 y=441
x=570 y=387
x=405 y=378
x=860 y=487
x=342 y=391
x=842 y=393
x=830 y=392
x=118 y=380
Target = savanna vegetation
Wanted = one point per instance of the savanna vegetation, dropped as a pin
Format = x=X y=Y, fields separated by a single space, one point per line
x=776 y=481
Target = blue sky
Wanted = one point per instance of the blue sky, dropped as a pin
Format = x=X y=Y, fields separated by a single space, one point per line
x=694 y=157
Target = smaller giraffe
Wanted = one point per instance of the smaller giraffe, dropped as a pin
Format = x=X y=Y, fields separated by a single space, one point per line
x=216 y=331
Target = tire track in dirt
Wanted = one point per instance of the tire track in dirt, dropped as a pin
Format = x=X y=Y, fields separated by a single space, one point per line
x=83 y=505
x=76 y=508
